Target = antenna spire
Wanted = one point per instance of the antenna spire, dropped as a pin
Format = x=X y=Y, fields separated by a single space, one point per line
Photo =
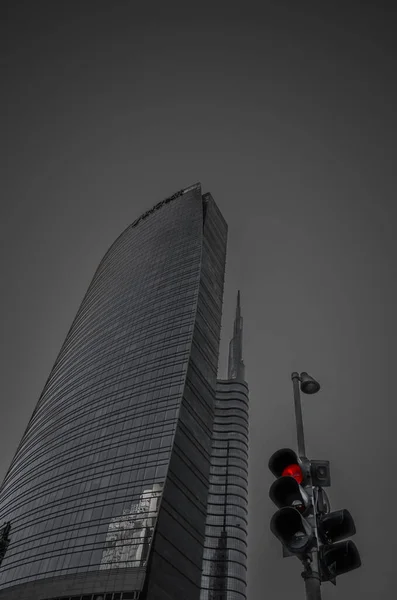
x=236 y=368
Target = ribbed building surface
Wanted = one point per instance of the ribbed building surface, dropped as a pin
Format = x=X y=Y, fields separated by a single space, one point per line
x=225 y=553
x=106 y=495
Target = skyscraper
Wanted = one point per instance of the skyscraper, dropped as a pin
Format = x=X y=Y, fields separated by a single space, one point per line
x=106 y=496
x=225 y=553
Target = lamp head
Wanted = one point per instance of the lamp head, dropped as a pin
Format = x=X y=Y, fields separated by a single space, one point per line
x=308 y=384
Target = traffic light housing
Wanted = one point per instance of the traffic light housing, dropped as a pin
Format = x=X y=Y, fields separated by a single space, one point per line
x=291 y=472
x=289 y=524
x=282 y=459
x=336 y=556
x=294 y=523
x=293 y=530
x=336 y=526
x=338 y=559
x=286 y=491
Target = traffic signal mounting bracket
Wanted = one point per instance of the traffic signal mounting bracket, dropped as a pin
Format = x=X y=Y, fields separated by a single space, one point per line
x=320 y=473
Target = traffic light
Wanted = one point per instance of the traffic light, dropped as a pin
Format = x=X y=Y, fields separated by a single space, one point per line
x=294 y=523
x=336 y=556
x=289 y=524
x=304 y=522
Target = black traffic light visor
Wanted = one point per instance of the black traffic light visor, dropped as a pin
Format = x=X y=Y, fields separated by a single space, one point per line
x=282 y=459
x=336 y=526
x=286 y=491
x=294 y=532
x=338 y=559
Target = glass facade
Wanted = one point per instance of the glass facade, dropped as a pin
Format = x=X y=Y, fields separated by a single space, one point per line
x=224 y=574
x=106 y=495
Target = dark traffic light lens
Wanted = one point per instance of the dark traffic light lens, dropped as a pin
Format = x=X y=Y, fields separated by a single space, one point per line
x=293 y=471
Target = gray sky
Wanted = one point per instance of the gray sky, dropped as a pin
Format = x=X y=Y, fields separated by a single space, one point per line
x=285 y=111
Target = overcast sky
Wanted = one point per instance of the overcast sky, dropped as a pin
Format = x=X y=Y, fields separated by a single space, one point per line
x=286 y=113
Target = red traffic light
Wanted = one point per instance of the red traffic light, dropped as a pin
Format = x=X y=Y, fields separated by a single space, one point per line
x=282 y=459
x=294 y=471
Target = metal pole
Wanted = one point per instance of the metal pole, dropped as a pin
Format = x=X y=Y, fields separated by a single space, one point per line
x=311 y=572
x=298 y=415
x=312 y=586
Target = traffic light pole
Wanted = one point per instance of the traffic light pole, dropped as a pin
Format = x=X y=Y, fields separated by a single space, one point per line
x=311 y=573
x=304 y=523
x=298 y=416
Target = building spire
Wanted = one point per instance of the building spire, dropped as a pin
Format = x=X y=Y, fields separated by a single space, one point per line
x=236 y=368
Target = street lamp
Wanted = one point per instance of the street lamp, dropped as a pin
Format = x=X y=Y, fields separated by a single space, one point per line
x=308 y=385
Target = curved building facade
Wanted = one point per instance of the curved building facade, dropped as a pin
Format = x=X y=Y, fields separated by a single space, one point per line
x=225 y=554
x=106 y=496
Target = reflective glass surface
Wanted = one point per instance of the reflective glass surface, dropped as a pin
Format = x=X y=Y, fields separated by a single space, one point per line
x=225 y=553
x=175 y=567
x=84 y=490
